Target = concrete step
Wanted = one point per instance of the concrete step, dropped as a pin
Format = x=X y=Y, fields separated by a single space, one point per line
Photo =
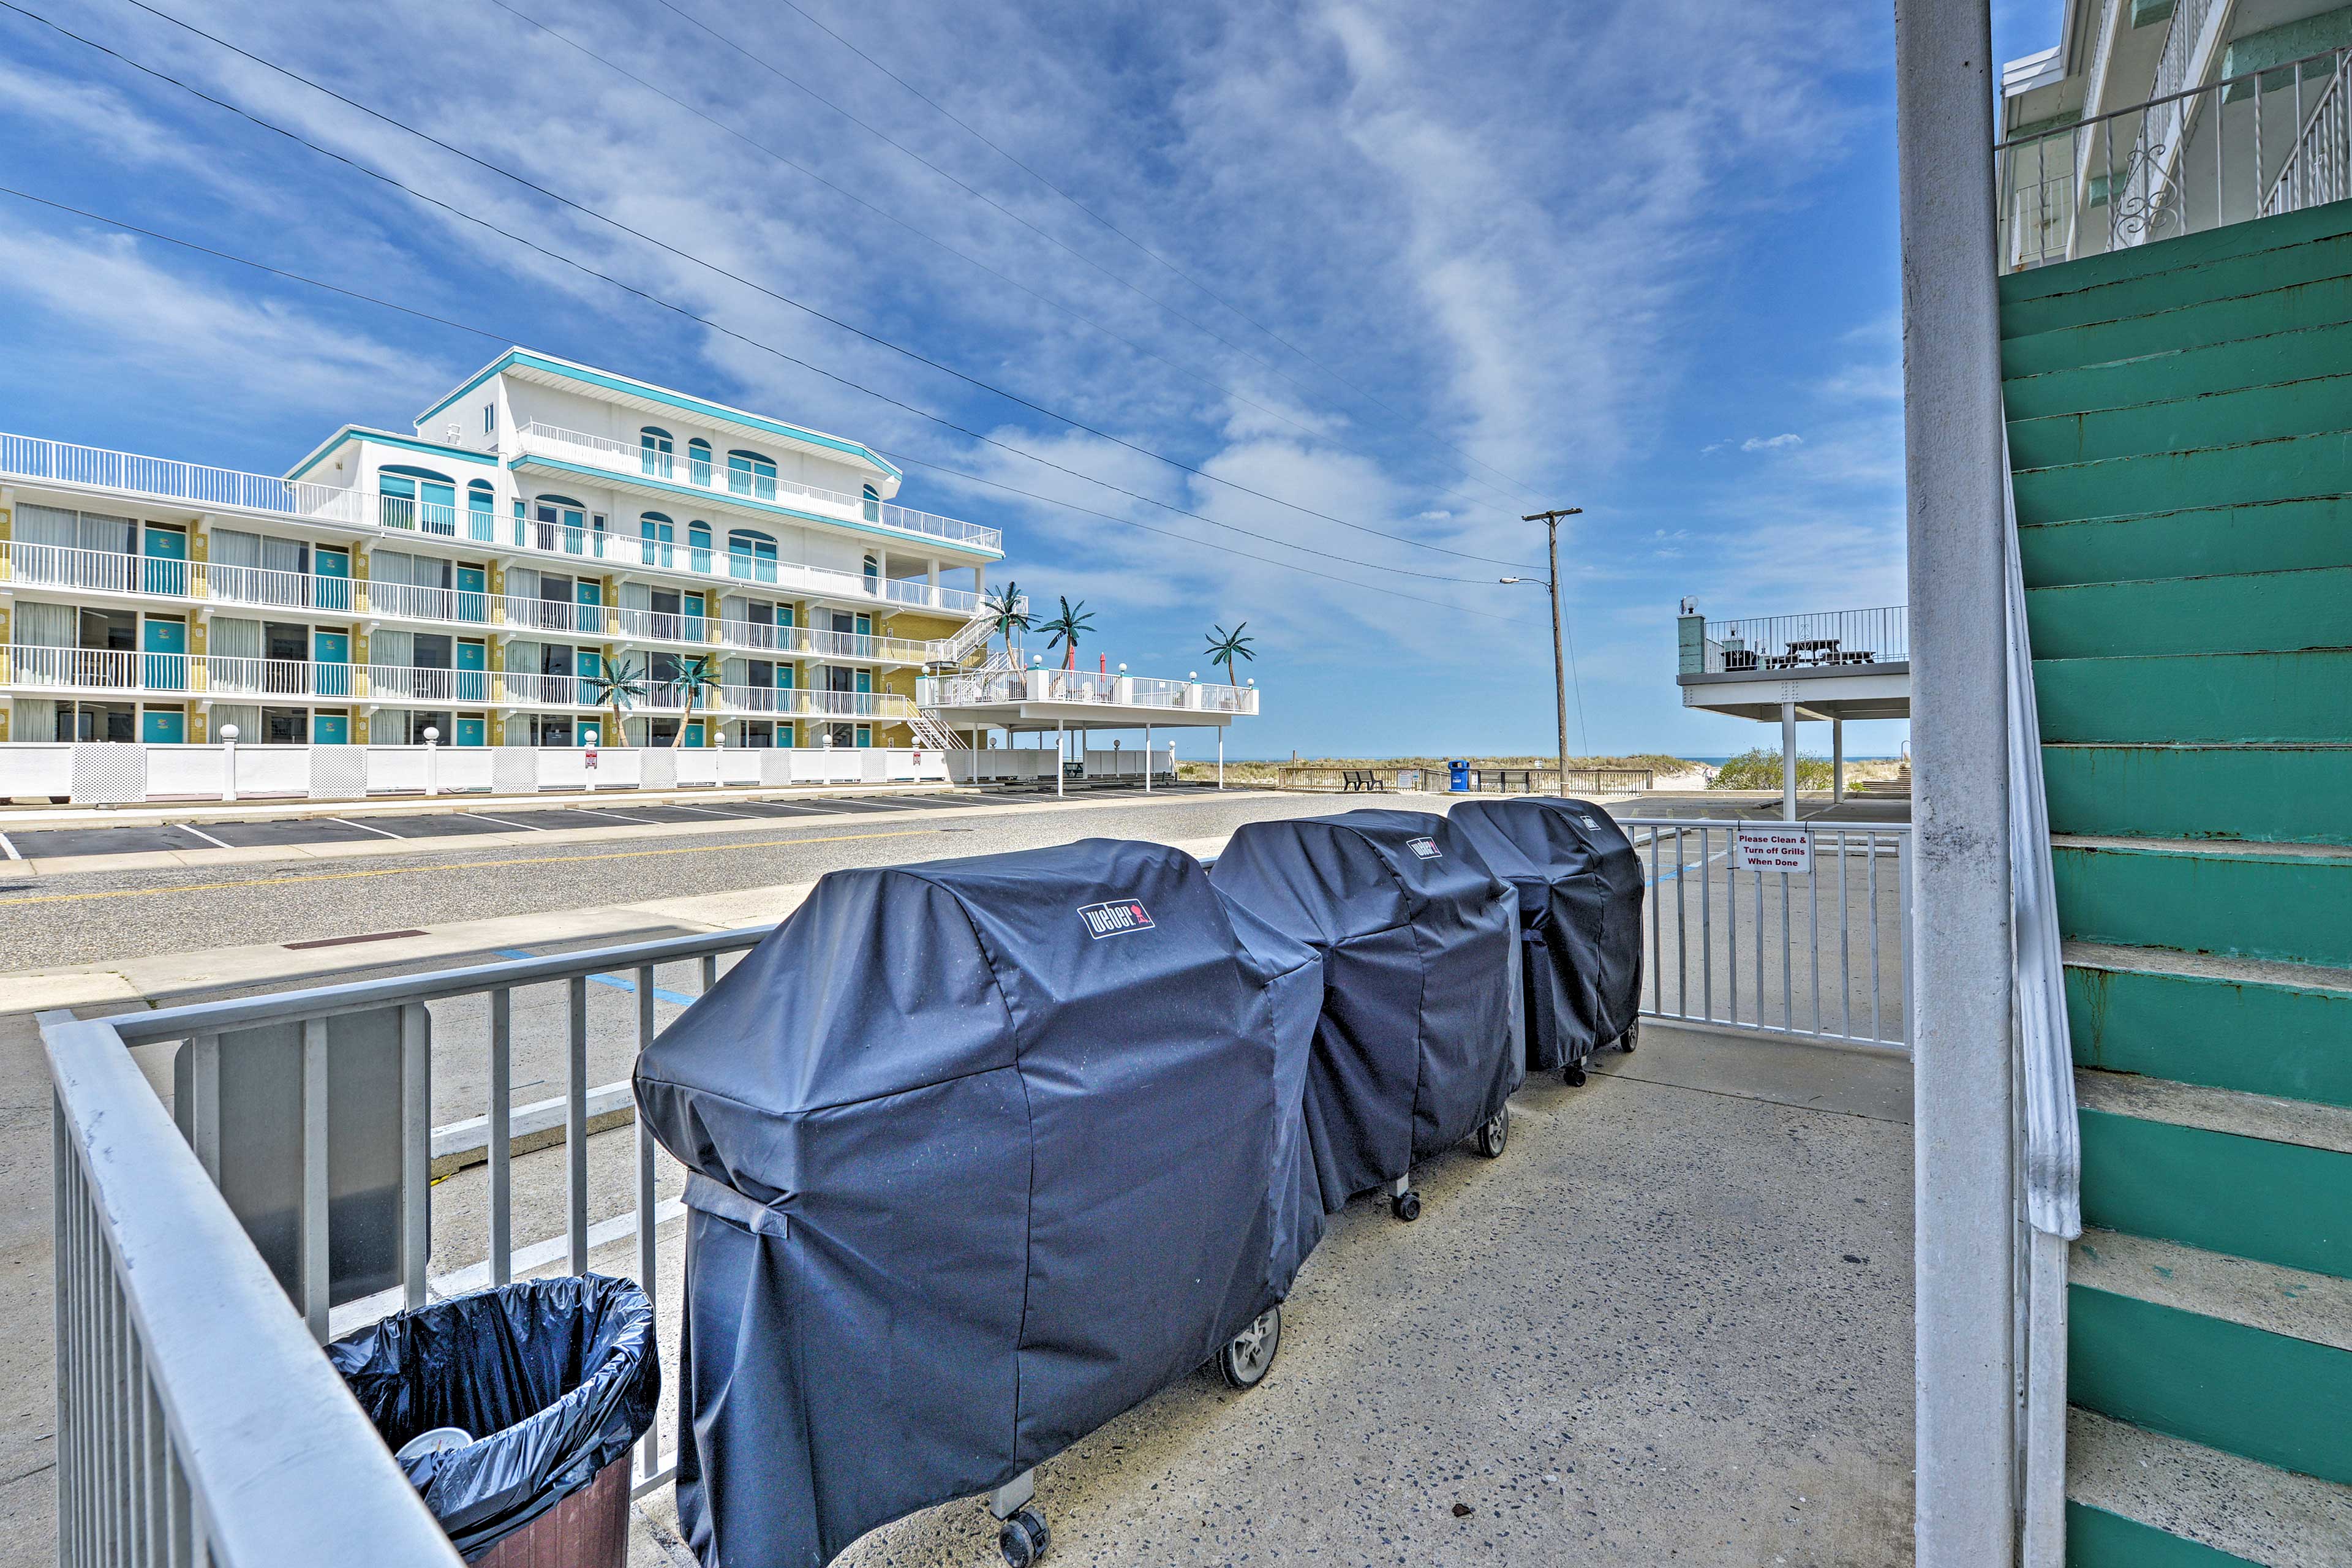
x=2197 y=541
x=2236 y=612
x=2292 y=468
x=2308 y=350
x=2274 y=262
x=2291 y=903
x=2138 y=1498
x=2203 y=419
x=2249 y=1360
x=2209 y=257
x=2282 y=1030
x=2249 y=1175
x=2279 y=699
x=2278 y=794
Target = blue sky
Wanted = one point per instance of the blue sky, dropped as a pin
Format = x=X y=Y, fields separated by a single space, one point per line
x=1423 y=268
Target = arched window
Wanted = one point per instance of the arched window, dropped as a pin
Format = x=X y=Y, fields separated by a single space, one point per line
x=698 y=461
x=660 y=535
x=697 y=546
x=481 y=502
x=751 y=554
x=558 y=522
x=873 y=575
x=421 y=498
x=654 y=452
x=873 y=504
x=750 y=474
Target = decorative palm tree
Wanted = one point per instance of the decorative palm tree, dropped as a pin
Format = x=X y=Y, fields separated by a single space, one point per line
x=616 y=688
x=1065 y=630
x=695 y=674
x=1006 y=614
x=1225 y=647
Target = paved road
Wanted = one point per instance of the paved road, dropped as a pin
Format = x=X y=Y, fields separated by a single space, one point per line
x=91 y=917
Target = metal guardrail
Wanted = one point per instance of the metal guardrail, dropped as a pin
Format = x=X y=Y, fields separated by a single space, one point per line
x=1820 y=640
x=2256 y=144
x=1746 y=950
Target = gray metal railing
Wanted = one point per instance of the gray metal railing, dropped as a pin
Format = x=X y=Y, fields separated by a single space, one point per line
x=1818 y=954
x=196 y=1422
x=1764 y=645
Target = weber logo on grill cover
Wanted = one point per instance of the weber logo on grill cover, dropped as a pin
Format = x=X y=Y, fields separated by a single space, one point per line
x=1425 y=848
x=1111 y=919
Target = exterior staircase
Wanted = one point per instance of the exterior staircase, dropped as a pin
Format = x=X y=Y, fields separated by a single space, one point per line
x=2180 y=429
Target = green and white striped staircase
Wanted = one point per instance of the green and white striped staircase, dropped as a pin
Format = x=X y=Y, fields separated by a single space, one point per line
x=2180 y=431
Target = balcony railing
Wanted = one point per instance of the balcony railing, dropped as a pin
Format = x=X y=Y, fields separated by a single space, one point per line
x=986 y=687
x=1856 y=640
x=2257 y=144
x=93 y=571
x=31 y=459
x=720 y=479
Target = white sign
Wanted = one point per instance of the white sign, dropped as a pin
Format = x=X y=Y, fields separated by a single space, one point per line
x=1772 y=847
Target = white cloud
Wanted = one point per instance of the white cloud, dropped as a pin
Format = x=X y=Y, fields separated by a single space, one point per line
x=1771 y=442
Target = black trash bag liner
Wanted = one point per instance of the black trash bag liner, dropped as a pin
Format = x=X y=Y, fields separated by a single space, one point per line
x=983 y=1153
x=555 y=1379
x=1581 y=889
x=1419 y=1040
x=1579 y=913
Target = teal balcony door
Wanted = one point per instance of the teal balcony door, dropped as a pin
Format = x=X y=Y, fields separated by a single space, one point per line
x=469 y=731
x=331 y=579
x=473 y=583
x=473 y=681
x=331 y=729
x=694 y=734
x=331 y=663
x=589 y=595
x=165 y=570
x=163 y=726
x=436 y=506
x=165 y=640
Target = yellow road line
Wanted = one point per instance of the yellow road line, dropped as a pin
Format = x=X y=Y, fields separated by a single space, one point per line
x=461 y=865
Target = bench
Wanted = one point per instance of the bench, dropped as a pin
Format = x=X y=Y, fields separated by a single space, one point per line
x=1361 y=779
x=1503 y=777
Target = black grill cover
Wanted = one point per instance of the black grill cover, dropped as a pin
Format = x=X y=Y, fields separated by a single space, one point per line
x=1581 y=889
x=983 y=1153
x=1419 y=1041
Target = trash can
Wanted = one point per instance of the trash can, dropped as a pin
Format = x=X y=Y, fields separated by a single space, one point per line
x=513 y=1411
x=1457 y=777
x=1419 y=1044
x=982 y=1152
x=1581 y=894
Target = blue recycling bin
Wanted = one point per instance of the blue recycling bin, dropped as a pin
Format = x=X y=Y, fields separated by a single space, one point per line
x=1457 y=777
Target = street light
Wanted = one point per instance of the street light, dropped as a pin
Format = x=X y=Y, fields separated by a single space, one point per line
x=1550 y=519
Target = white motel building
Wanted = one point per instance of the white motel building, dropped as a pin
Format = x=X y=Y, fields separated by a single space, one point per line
x=472 y=575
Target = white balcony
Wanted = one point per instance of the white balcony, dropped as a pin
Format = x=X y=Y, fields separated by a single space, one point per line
x=624 y=458
x=1828 y=664
x=1035 y=699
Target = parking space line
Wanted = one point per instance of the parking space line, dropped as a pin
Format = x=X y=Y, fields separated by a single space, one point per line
x=592 y=811
x=205 y=837
x=369 y=828
x=675 y=998
x=890 y=804
x=713 y=811
x=10 y=849
x=502 y=822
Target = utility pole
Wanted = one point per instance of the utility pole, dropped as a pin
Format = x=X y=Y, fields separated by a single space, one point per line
x=1550 y=519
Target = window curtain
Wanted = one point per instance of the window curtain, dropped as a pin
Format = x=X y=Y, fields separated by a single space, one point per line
x=232 y=638
x=46 y=625
x=389 y=566
x=234 y=547
x=35 y=718
x=245 y=716
x=523 y=582
x=734 y=608
x=285 y=554
x=388 y=727
x=45 y=525
x=392 y=649
x=111 y=535
x=636 y=596
x=522 y=656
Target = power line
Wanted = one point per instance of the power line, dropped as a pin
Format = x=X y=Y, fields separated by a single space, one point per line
x=888 y=216
x=496 y=337
x=782 y=299
x=716 y=326
x=1138 y=244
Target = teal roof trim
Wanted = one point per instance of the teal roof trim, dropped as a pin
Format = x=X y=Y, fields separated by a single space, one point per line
x=364 y=432
x=901 y=536
x=719 y=413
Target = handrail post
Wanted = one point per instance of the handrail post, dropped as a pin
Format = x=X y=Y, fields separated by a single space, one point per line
x=1962 y=1099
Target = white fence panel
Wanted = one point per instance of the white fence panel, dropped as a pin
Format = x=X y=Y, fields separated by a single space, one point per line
x=36 y=769
x=697 y=766
x=273 y=769
x=737 y=767
x=514 y=770
x=395 y=770
x=464 y=768
x=187 y=770
x=109 y=773
x=338 y=773
x=658 y=767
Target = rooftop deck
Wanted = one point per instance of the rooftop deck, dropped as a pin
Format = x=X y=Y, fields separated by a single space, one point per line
x=1832 y=664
